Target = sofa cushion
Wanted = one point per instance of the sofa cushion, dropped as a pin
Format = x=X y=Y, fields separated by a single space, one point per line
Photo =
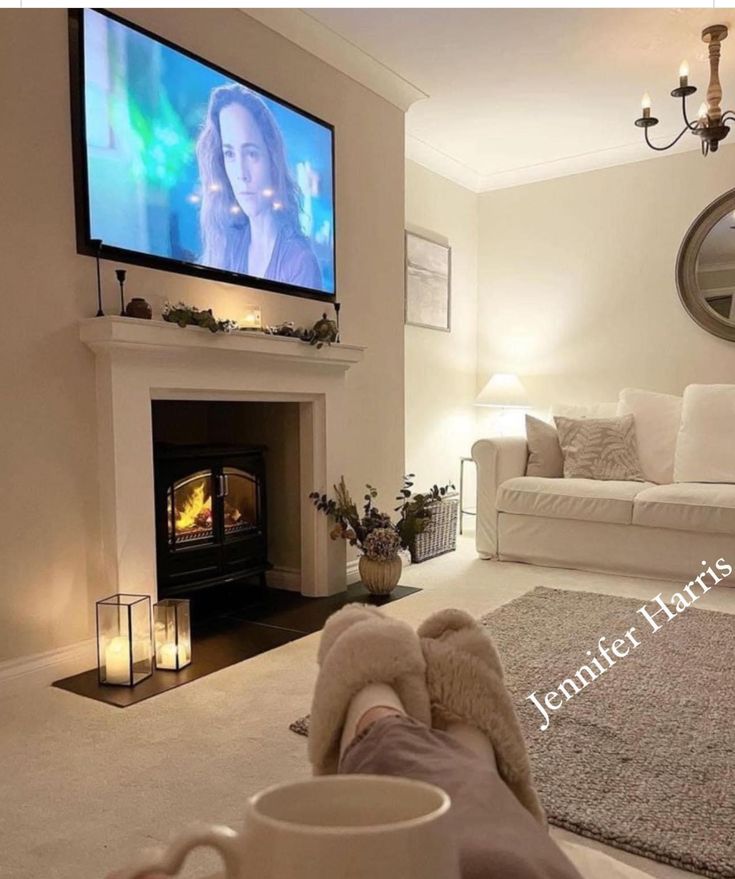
x=586 y=499
x=705 y=451
x=544 y=452
x=657 y=419
x=687 y=506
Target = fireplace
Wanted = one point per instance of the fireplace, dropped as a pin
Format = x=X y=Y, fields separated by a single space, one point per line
x=145 y=362
x=211 y=517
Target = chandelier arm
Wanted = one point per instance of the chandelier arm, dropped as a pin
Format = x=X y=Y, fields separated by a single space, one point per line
x=692 y=126
x=668 y=147
x=729 y=116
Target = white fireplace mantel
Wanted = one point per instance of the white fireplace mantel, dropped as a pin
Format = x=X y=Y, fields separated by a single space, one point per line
x=138 y=361
x=108 y=333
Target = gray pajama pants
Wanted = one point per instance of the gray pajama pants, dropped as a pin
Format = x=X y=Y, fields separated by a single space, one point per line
x=496 y=837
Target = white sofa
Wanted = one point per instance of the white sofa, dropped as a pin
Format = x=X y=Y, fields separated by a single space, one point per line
x=662 y=531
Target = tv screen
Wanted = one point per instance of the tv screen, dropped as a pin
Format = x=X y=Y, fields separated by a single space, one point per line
x=183 y=166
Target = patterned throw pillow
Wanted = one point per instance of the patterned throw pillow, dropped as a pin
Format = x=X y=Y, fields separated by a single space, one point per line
x=599 y=448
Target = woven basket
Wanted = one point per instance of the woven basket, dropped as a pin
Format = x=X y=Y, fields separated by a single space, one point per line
x=441 y=533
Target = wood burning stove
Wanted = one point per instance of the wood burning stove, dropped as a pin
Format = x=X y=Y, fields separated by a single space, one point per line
x=210 y=516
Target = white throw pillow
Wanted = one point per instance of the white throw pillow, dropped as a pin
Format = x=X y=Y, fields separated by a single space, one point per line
x=657 y=420
x=705 y=448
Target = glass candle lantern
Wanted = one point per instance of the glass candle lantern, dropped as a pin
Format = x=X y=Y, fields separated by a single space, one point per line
x=124 y=640
x=172 y=628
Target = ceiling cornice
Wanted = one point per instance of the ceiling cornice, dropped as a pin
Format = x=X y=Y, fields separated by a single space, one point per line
x=307 y=32
x=447 y=166
x=442 y=163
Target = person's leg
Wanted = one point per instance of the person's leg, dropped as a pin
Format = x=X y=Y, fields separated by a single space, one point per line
x=372 y=703
x=471 y=737
x=497 y=838
x=371 y=714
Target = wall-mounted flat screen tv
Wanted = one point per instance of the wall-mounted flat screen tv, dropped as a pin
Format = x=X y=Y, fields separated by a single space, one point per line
x=182 y=166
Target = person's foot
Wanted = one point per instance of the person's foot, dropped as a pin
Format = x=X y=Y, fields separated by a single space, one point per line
x=464 y=678
x=360 y=647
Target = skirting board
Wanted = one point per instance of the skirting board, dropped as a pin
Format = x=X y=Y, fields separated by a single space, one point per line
x=42 y=669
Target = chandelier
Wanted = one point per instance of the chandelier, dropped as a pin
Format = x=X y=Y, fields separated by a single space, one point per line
x=711 y=125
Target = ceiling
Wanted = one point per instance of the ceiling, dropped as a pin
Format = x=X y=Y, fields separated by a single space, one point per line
x=520 y=95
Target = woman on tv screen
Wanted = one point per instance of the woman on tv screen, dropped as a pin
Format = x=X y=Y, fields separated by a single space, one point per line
x=250 y=204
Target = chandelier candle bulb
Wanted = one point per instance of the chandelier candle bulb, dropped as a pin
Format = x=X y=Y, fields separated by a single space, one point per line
x=683 y=75
x=703 y=113
x=646 y=105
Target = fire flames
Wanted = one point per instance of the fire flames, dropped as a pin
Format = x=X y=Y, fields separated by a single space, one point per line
x=195 y=512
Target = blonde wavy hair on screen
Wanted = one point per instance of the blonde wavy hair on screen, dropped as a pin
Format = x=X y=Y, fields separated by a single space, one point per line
x=226 y=235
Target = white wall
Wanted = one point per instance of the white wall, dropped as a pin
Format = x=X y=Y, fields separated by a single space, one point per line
x=576 y=281
x=49 y=541
x=440 y=367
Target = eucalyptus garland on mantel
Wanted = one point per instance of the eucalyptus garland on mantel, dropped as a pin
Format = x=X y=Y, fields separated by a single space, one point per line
x=324 y=331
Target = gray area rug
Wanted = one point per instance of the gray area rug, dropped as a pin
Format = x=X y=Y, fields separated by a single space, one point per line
x=643 y=758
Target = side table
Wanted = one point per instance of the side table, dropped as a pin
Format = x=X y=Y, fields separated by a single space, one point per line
x=462 y=511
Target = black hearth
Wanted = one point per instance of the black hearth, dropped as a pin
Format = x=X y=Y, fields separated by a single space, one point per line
x=211 y=527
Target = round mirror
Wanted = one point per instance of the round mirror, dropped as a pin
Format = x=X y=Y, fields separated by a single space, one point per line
x=705 y=268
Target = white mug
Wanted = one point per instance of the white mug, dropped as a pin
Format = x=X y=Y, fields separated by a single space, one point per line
x=356 y=826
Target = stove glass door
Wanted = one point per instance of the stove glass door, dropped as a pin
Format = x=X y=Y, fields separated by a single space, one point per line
x=241 y=505
x=189 y=510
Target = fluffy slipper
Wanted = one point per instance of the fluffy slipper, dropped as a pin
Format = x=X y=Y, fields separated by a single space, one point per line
x=462 y=632
x=360 y=646
x=465 y=682
x=340 y=621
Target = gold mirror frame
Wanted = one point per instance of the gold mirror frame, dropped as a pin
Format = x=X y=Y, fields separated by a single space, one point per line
x=686 y=264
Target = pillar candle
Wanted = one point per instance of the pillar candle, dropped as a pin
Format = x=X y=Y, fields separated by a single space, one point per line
x=117 y=661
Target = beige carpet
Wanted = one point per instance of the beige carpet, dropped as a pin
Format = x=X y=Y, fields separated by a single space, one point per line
x=82 y=784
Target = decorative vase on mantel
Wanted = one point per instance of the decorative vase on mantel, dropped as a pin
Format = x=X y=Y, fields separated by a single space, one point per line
x=138 y=307
x=380 y=576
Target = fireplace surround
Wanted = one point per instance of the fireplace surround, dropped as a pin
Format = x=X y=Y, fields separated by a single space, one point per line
x=138 y=361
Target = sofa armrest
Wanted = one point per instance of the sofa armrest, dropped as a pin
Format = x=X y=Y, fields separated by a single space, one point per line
x=497 y=459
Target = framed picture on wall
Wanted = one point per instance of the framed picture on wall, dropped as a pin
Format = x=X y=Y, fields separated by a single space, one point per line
x=428 y=283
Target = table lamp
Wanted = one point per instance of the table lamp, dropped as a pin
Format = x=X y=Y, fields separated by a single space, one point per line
x=504 y=391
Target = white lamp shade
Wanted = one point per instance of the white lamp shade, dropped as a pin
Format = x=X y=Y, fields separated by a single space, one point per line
x=504 y=390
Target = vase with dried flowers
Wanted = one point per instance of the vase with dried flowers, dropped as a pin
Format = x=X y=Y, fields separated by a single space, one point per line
x=373 y=532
